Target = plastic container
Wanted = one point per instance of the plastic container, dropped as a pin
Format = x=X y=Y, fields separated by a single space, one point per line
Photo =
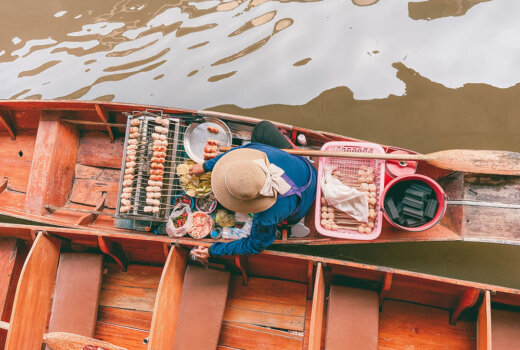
x=439 y=195
x=206 y=204
x=208 y=225
x=351 y=166
x=396 y=168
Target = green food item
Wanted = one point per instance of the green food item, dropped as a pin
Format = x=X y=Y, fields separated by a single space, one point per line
x=224 y=218
x=195 y=185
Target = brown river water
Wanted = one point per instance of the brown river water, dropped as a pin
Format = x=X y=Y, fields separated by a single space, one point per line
x=425 y=75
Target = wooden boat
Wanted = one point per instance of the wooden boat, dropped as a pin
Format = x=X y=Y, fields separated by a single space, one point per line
x=57 y=288
x=60 y=163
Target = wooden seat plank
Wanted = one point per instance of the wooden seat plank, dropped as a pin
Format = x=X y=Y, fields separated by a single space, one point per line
x=352 y=319
x=33 y=295
x=203 y=301
x=78 y=283
x=505 y=329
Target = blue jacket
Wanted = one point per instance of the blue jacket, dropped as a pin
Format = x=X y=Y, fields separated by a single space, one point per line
x=263 y=230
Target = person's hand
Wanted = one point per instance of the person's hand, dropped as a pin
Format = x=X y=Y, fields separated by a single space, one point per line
x=202 y=254
x=197 y=169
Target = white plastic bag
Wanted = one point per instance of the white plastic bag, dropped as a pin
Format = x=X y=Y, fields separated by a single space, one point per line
x=178 y=210
x=237 y=233
x=347 y=199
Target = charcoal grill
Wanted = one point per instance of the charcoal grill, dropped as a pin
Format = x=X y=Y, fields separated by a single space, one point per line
x=137 y=217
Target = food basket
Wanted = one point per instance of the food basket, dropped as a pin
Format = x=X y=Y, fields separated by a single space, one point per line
x=350 y=167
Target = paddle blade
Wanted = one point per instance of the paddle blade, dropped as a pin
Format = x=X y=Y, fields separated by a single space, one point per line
x=477 y=161
x=69 y=341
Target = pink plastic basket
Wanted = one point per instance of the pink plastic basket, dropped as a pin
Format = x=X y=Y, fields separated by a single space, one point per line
x=350 y=167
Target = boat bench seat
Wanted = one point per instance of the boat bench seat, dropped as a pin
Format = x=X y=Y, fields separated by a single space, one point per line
x=203 y=301
x=352 y=319
x=505 y=329
x=76 y=294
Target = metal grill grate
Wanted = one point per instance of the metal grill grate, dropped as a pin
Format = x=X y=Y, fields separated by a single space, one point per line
x=135 y=190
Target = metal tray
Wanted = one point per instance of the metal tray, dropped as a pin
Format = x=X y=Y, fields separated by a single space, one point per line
x=197 y=134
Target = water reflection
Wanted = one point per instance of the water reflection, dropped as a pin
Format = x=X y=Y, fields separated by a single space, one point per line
x=433 y=9
x=255 y=43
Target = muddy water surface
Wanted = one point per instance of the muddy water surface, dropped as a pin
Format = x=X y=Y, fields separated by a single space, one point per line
x=426 y=75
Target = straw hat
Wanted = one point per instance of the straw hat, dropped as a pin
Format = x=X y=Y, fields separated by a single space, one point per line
x=236 y=181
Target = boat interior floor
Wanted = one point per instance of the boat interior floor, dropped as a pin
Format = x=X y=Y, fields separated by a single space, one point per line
x=265 y=301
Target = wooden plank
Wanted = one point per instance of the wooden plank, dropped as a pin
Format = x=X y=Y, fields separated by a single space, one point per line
x=52 y=170
x=15 y=160
x=104 y=116
x=488 y=222
x=241 y=336
x=96 y=173
x=127 y=318
x=17 y=171
x=33 y=295
x=484 y=323
x=265 y=314
x=24 y=143
x=425 y=291
x=129 y=338
x=410 y=326
x=318 y=300
x=141 y=299
x=168 y=301
x=7 y=123
x=90 y=192
x=281 y=268
x=268 y=290
x=78 y=282
x=136 y=276
x=95 y=149
x=505 y=328
x=12 y=257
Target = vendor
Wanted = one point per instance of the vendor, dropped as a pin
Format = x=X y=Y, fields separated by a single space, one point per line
x=260 y=178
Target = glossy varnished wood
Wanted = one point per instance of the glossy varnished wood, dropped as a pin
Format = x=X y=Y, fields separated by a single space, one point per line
x=484 y=323
x=33 y=295
x=318 y=300
x=52 y=169
x=167 y=303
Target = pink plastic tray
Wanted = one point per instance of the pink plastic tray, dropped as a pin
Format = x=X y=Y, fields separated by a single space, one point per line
x=351 y=166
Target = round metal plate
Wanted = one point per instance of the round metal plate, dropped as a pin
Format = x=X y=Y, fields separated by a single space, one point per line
x=197 y=134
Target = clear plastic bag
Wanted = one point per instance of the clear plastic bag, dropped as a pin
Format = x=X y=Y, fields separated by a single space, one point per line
x=347 y=199
x=179 y=222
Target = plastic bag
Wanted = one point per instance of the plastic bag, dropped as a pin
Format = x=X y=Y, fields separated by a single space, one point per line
x=347 y=199
x=237 y=233
x=179 y=221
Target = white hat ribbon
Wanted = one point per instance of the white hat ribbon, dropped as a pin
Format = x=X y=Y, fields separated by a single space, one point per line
x=274 y=180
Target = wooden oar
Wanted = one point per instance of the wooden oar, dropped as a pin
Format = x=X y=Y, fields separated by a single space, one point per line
x=470 y=161
x=69 y=341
